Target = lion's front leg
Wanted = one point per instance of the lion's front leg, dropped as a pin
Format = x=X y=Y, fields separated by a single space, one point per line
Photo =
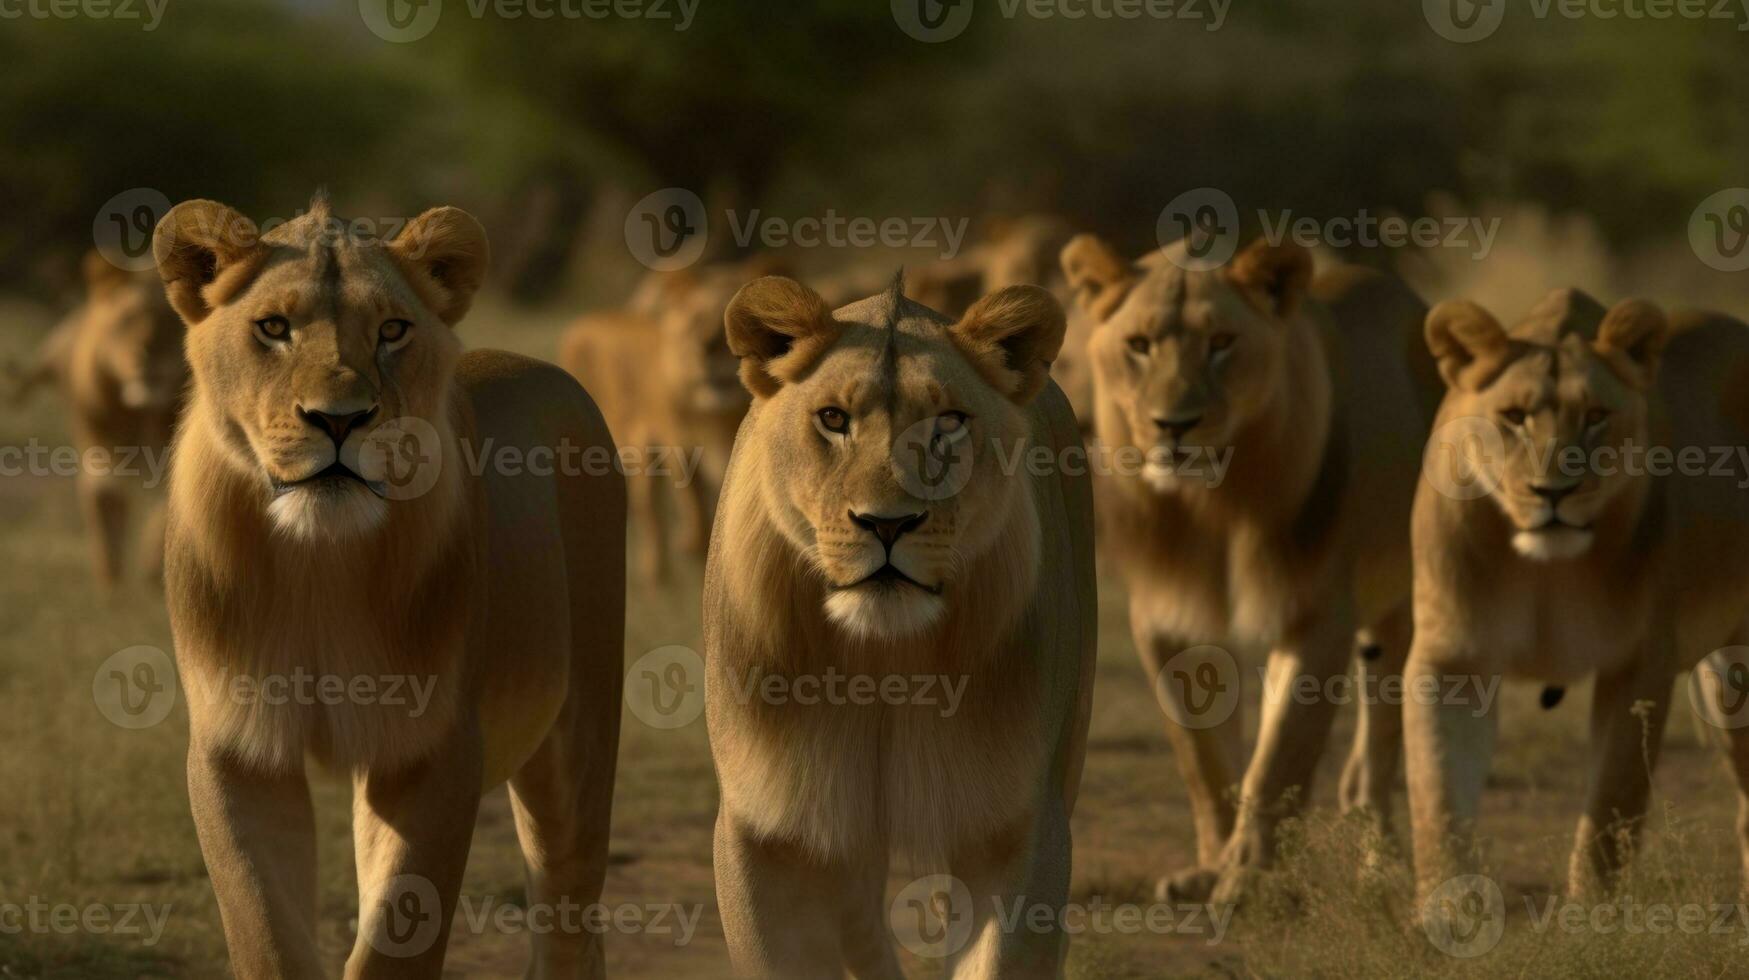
x=411 y=830
x=1449 y=726
x=1197 y=688
x=1370 y=775
x=1628 y=712
x=780 y=906
x=1297 y=712
x=1018 y=886
x=258 y=837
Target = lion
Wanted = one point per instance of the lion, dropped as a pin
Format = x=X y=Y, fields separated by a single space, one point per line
x=1259 y=426
x=1549 y=544
x=336 y=519
x=878 y=523
x=117 y=361
x=680 y=417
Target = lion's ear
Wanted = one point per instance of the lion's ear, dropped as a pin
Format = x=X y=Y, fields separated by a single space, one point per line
x=205 y=252
x=1273 y=277
x=778 y=328
x=1012 y=336
x=1631 y=341
x=444 y=255
x=1098 y=275
x=1470 y=345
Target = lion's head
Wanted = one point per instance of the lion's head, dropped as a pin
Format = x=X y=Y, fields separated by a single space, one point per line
x=1187 y=359
x=134 y=335
x=876 y=431
x=1543 y=417
x=310 y=347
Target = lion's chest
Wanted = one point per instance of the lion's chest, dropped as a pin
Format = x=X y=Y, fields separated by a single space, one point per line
x=306 y=679
x=1550 y=624
x=1198 y=584
x=842 y=762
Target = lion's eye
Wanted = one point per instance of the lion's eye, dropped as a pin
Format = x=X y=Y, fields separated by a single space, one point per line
x=834 y=420
x=1514 y=416
x=1140 y=344
x=1222 y=342
x=273 y=327
x=1596 y=417
x=949 y=423
x=392 y=330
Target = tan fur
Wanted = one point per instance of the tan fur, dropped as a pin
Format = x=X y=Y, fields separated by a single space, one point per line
x=502 y=594
x=681 y=413
x=1658 y=578
x=117 y=361
x=815 y=797
x=1023 y=251
x=1320 y=400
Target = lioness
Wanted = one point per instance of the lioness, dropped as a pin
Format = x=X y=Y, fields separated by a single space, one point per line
x=679 y=413
x=879 y=522
x=117 y=359
x=473 y=619
x=1261 y=426
x=1548 y=546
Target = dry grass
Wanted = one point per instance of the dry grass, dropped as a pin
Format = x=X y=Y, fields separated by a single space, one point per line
x=95 y=814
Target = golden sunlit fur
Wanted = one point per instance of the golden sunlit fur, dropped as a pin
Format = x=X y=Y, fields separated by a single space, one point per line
x=330 y=517
x=663 y=375
x=1022 y=251
x=1262 y=427
x=841 y=546
x=117 y=360
x=1543 y=550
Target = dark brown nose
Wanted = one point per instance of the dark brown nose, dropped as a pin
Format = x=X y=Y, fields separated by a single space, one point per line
x=1554 y=495
x=1178 y=427
x=888 y=529
x=338 y=427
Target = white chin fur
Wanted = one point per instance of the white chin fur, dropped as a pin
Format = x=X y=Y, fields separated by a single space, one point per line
x=884 y=612
x=1160 y=476
x=327 y=513
x=1555 y=544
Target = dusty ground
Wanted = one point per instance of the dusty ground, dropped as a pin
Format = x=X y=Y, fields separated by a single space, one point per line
x=94 y=814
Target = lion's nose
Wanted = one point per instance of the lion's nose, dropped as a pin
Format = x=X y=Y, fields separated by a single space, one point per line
x=1178 y=425
x=888 y=529
x=338 y=425
x=1554 y=494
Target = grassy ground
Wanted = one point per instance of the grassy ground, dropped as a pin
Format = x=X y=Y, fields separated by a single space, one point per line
x=93 y=814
